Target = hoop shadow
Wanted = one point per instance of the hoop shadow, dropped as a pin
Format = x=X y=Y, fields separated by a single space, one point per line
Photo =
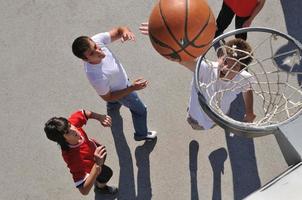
x=126 y=179
x=293 y=25
x=242 y=156
x=193 y=149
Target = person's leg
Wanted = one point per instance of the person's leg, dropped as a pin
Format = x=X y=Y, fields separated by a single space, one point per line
x=138 y=112
x=238 y=24
x=105 y=175
x=113 y=106
x=102 y=180
x=224 y=19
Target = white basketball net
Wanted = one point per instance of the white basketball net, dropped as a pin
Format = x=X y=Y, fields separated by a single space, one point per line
x=275 y=80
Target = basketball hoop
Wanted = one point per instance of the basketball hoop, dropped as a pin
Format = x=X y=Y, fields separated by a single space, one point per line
x=277 y=76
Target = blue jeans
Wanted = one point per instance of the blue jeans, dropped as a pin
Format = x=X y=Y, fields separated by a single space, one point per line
x=138 y=111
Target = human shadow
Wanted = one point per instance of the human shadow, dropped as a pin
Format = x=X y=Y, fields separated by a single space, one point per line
x=126 y=179
x=217 y=159
x=242 y=156
x=193 y=154
x=291 y=10
x=142 y=154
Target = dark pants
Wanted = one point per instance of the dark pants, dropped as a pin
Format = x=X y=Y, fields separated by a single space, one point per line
x=138 y=111
x=105 y=174
x=225 y=18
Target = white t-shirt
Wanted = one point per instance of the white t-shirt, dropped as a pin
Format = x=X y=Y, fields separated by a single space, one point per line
x=109 y=75
x=240 y=83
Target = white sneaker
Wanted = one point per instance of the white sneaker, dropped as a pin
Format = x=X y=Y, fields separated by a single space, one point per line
x=151 y=135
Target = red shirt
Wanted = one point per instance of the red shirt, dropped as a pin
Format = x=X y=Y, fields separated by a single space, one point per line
x=79 y=158
x=242 y=8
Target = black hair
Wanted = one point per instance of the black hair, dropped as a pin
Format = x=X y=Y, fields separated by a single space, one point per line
x=80 y=46
x=55 y=128
x=245 y=52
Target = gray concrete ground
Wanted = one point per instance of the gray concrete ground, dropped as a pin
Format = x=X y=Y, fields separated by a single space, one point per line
x=40 y=78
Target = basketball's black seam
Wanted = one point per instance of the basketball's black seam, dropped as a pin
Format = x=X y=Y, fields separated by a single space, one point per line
x=191 y=43
x=160 y=43
x=203 y=28
x=188 y=42
x=186 y=20
x=170 y=32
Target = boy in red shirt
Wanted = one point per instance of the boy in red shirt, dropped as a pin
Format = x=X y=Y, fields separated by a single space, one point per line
x=245 y=11
x=84 y=156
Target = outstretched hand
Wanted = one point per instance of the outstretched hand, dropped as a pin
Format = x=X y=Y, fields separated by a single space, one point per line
x=127 y=35
x=144 y=28
x=106 y=120
x=100 y=155
x=139 y=84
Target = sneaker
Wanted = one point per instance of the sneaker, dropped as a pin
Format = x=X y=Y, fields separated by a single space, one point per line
x=107 y=190
x=151 y=135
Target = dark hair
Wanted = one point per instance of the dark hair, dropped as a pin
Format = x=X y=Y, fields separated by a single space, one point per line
x=238 y=49
x=55 y=128
x=80 y=46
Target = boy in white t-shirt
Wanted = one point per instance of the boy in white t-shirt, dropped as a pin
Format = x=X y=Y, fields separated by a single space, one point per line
x=232 y=76
x=108 y=77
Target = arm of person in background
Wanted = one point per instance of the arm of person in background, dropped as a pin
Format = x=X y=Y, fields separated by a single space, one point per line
x=249 y=106
x=191 y=65
x=255 y=12
x=99 y=154
x=105 y=120
x=99 y=157
x=137 y=84
x=123 y=33
x=144 y=28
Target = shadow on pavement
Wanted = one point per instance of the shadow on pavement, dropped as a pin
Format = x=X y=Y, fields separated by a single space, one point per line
x=291 y=10
x=193 y=154
x=126 y=179
x=217 y=159
x=242 y=156
x=142 y=154
x=294 y=28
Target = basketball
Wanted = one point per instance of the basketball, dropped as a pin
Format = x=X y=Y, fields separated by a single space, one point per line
x=181 y=30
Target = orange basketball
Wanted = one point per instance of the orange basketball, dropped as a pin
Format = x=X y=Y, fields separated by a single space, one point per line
x=181 y=30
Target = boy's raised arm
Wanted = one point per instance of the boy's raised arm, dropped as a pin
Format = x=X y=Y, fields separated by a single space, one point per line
x=249 y=106
x=191 y=65
x=105 y=120
x=99 y=157
x=122 y=32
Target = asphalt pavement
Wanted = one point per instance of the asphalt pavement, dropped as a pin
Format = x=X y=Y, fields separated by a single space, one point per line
x=40 y=78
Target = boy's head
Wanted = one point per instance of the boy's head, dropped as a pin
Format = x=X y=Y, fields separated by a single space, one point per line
x=238 y=56
x=86 y=49
x=55 y=129
x=240 y=50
